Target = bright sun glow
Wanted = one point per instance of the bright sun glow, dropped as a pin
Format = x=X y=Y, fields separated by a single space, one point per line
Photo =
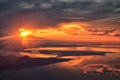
x=24 y=33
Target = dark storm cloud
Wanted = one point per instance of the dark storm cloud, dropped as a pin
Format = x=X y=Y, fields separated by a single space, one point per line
x=88 y=6
x=4 y=6
x=82 y=7
x=58 y=11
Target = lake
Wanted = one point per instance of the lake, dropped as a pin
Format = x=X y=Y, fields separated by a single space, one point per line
x=82 y=67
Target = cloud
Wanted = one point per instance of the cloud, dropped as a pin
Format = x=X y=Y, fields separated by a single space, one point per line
x=4 y=6
x=69 y=1
x=69 y=33
x=101 y=68
x=24 y=5
x=91 y=9
x=101 y=32
x=116 y=33
x=110 y=32
x=55 y=12
x=46 y=5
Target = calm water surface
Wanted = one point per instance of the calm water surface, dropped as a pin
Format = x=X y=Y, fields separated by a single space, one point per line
x=94 y=67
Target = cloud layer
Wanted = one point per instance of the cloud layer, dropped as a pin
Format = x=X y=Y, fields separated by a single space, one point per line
x=102 y=16
x=90 y=9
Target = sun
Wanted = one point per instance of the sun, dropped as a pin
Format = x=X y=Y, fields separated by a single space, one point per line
x=73 y=29
x=24 y=33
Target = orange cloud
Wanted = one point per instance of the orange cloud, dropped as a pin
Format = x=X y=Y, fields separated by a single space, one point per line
x=116 y=33
x=74 y=33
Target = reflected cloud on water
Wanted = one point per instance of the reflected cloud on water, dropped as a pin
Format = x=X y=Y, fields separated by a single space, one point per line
x=84 y=67
x=70 y=52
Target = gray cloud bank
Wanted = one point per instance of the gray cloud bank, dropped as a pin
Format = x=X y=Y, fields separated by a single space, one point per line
x=52 y=12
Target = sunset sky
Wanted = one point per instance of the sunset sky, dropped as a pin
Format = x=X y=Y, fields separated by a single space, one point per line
x=63 y=20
